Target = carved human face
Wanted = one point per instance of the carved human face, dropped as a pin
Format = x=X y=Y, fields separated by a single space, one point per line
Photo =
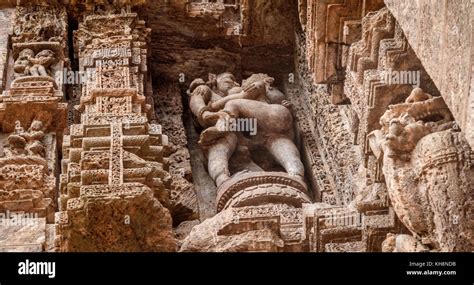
x=26 y=53
x=47 y=54
x=225 y=82
x=36 y=126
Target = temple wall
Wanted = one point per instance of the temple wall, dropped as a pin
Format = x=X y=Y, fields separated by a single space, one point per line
x=364 y=110
x=441 y=33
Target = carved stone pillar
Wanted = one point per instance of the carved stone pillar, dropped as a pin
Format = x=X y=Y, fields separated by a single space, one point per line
x=33 y=117
x=114 y=181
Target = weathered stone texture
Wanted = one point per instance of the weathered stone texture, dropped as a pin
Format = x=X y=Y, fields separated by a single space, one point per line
x=194 y=46
x=325 y=134
x=183 y=199
x=237 y=125
x=6 y=18
x=28 y=235
x=441 y=34
x=114 y=176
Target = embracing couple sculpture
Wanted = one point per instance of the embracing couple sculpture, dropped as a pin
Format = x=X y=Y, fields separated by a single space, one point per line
x=221 y=99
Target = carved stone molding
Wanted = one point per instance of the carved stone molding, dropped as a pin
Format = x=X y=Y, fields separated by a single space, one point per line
x=330 y=27
x=255 y=188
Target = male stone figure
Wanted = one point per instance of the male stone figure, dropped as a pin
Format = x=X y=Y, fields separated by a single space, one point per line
x=22 y=64
x=222 y=98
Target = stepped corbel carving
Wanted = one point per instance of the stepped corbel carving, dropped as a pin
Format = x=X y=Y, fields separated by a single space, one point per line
x=389 y=70
x=330 y=27
x=365 y=54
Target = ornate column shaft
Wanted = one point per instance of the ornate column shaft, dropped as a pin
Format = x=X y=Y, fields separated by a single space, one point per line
x=114 y=181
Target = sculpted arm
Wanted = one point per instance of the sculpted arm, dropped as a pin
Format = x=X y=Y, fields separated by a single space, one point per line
x=219 y=104
x=198 y=103
x=275 y=96
x=252 y=92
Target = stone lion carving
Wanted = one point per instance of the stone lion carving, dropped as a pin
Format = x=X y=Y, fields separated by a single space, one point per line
x=427 y=168
x=221 y=100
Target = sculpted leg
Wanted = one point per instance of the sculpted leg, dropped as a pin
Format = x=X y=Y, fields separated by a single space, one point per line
x=286 y=153
x=34 y=71
x=42 y=71
x=218 y=157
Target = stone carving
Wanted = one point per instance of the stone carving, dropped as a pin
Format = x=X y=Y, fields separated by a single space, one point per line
x=405 y=124
x=40 y=24
x=266 y=228
x=402 y=243
x=214 y=104
x=357 y=152
x=27 y=180
x=114 y=165
x=39 y=65
x=382 y=52
x=416 y=144
x=256 y=100
x=26 y=143
x=332 y=157
x=251 y=188
x=451 y=73
x=303 y=13
x=369 y=102
x=184 y=202
x=33 y=117
x=330 y=27
x=23 y=63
